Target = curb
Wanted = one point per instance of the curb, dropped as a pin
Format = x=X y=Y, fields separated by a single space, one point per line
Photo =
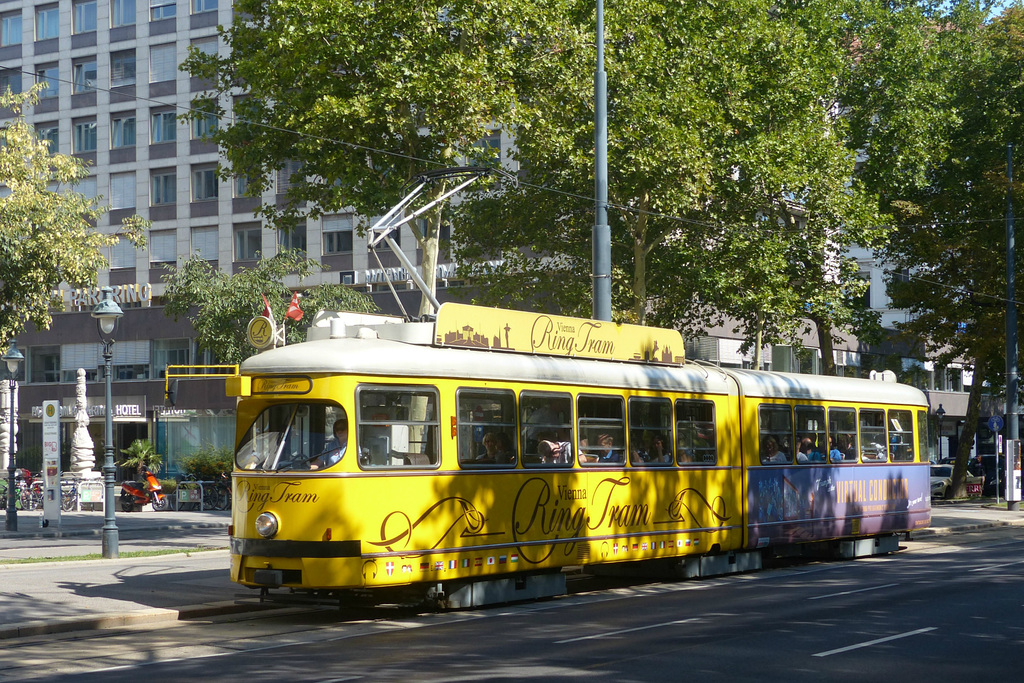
x=135 y=618
x=98 y=531
x=963 y=528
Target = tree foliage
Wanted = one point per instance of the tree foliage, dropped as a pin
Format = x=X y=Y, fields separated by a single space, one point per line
x=728 y=175
x=47 y=229
x=220 y=305
x=355 y=99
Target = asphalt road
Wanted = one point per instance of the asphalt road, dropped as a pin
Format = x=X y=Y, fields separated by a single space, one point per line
x=945 y=609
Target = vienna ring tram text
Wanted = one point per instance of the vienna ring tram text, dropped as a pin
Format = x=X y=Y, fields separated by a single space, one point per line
x=475 y=458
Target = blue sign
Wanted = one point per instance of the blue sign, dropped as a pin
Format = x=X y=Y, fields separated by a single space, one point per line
x=995 y=423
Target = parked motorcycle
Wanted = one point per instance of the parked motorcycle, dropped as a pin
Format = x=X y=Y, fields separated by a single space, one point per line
x=134 y=494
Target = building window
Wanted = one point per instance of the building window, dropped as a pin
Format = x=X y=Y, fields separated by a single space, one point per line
x=204 y=184
x=165 y=188
x=10 y=78
x=122 y=13
x=87 y=187
x=85 y=137
x=288 y=175
x=248 y=243
x=74 y=356
x=84 y=16
x=50 y=75
x=164 y=127
x=122 y=132
x=122 y=254
x=10 y=29
x=203 y=6
x=295 y=238
x=163 y=63
x=50 y=133
x=168 y=352
x=122 y=190
x=207 y=46
x=241 y=185
x=131 y=360
x=83 y=73
x=162 y=9
x=204 y=242
x=122 y=68
x=44 y=364
x=204 y=126
x=47 y=22
x=163 y=246
x=337 y=232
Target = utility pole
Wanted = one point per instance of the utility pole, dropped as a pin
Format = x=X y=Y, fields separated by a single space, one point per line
x=1011 y=324
x=602 y=238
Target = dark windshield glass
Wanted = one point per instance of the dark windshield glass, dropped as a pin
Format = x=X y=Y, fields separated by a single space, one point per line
x=292 y=436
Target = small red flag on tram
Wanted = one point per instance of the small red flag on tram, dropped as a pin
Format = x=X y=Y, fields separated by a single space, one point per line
x=294 y=312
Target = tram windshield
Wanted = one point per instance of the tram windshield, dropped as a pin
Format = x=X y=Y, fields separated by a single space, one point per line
x=294 y=436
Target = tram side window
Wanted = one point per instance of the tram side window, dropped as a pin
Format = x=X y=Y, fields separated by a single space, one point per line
x=872 y=435
x=901 y=436
x=842 y=434
x=811 y=444
x=696 y=437
x=922 y=434
x=397 y=427
x=775 y=429
x=650 y=431
x=602 y=429
x=546 y=423
x=486 y=428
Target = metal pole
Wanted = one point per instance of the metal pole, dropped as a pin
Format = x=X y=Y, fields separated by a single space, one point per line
x=602 y=240
x=109 y=524
x=12 y=512
x=1011 y=321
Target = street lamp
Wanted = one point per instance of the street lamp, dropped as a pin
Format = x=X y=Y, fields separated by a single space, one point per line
x=107 y=313
x=12 y=357
x=939 y=413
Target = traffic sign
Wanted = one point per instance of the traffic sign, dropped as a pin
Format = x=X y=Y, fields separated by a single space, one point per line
x=995 y=423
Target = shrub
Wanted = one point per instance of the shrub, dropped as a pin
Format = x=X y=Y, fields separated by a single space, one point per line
x=208 y=463
x=141 y=453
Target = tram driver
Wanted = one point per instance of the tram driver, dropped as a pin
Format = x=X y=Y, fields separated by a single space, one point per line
x=335 y=447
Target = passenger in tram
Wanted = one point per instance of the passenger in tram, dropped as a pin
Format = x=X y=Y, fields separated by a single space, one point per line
x=604 y=452
x=770 y=453
x=658 y=452
x=804 y=452
x=496 y=449
x=834 y=454
x=335 y=447
x=554 y=452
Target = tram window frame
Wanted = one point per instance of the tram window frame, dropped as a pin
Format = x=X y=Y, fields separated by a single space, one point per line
x=784 y=439
x=377 y=440
x=303 y=430
x=650 y=418
x=900 y=423
x=599 y=416
x=810 y=424
x=847 y=445
x=540 y=421
x=922 y=435
x=878 y=450
x=688 y=452
x=474 y=423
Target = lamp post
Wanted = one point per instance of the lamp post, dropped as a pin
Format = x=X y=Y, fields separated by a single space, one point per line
x=107 y=313
x=939 y=413
x=12 y=357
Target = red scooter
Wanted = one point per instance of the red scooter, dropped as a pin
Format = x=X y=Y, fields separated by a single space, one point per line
x=134 y=494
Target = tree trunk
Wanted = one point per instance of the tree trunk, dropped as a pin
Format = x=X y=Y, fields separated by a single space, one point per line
x=963 y=451
x=758 y=336
x=828 y=359
x=640 y=251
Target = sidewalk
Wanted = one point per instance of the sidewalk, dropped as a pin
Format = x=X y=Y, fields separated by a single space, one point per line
x=53 y=597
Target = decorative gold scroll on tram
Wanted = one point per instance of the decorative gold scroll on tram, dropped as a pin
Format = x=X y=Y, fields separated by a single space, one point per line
x=496 y=329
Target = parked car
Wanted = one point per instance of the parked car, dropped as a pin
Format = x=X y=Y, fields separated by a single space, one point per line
x=942 y=482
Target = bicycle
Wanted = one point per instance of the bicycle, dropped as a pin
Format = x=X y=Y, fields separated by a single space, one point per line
x=69 y=495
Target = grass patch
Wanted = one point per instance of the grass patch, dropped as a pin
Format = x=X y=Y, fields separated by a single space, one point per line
x=99 y=556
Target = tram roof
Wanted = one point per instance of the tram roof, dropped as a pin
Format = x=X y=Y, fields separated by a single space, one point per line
x=397 y=359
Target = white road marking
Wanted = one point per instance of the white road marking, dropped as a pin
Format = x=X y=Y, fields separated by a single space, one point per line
x=861 y=590
x=874 y=642
x=609 y=634
x=996 y=566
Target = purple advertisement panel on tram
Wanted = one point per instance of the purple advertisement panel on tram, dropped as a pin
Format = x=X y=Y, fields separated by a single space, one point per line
x=801 y=504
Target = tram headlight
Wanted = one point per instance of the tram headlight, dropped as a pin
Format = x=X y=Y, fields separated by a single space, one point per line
x=266 y=524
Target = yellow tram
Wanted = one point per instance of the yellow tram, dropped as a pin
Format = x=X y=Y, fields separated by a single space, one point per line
x=473 y=458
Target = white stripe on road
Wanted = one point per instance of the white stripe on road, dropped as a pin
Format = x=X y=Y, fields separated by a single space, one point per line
x=874 y=642
x=627 y=630
x=995 y=566
x=860 y=590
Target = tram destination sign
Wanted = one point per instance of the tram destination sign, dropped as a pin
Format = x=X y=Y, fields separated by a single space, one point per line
x=495 y=329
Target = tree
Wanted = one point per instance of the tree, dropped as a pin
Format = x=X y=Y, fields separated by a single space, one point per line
x=729 y=179
x=937 y=134
x=47 y=230
x=140 y=455
x=219 y=305
x=351 y=100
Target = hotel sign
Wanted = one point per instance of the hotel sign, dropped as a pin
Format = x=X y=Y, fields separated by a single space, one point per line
x=496 y=329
